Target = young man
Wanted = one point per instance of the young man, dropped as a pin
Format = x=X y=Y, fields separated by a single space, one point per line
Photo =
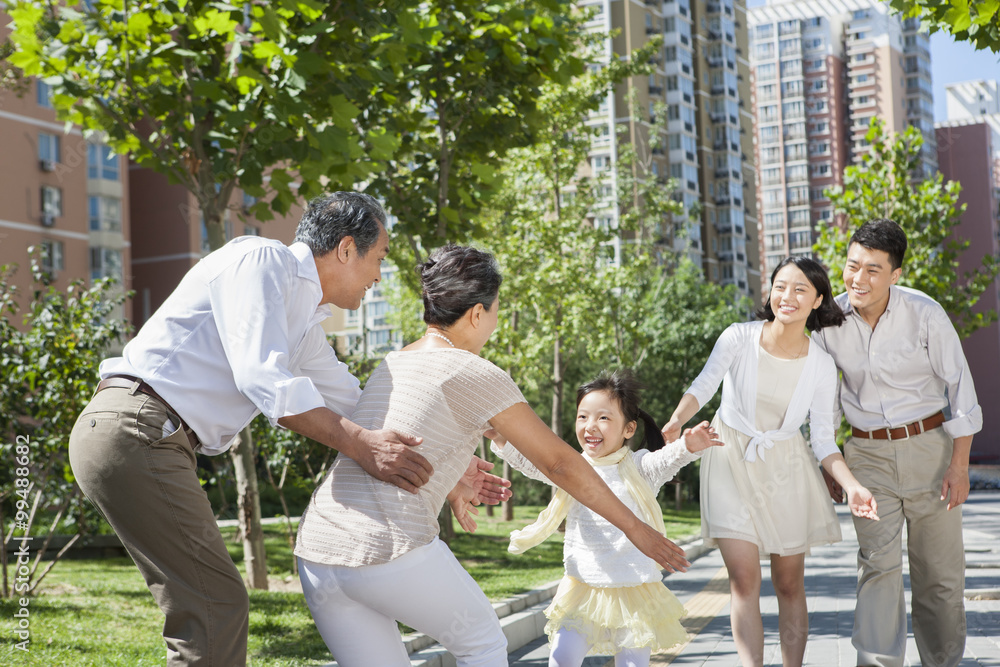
x=239 y=336
x=908 y=394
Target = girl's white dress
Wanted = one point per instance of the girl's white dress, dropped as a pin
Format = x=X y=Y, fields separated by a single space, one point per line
x=612 y=593
x=764 y=486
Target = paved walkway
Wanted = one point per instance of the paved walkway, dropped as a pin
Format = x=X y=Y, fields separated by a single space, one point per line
x=830 y=585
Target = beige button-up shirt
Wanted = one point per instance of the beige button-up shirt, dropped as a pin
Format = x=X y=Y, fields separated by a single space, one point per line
x=909 y=367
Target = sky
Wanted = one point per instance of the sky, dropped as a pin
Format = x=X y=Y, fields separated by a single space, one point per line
x=952 y=62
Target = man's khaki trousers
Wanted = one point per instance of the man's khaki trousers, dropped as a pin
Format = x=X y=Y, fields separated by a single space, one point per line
x=905 y=478
x=146 y=485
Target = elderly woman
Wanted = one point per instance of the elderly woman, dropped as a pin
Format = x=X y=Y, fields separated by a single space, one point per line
x=369 y=554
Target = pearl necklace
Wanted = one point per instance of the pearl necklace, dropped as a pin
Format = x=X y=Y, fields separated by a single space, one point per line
x=441 y=336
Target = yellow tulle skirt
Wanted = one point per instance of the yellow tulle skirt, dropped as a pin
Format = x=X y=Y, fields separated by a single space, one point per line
x=613 y=619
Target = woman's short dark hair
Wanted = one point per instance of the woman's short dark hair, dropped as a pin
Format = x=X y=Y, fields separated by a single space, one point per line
x=828 y=314
x=626 y=390
x=332 y=217
x=885 y=235
x=454 y=279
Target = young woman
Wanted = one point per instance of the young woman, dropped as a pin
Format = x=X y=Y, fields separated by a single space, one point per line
x=612 y=600
x=368 y=551
x=762 y=494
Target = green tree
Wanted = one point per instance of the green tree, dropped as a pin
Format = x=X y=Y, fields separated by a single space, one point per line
x=973 y=21
x=479 y=81
x=882 y=186
x=47 y=371
x=283 y=100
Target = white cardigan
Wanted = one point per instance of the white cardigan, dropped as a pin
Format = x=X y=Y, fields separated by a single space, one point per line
x=735 y=358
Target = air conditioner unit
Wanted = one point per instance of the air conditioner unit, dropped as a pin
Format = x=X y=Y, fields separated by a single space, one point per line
x=48 y=219
x=47 y=165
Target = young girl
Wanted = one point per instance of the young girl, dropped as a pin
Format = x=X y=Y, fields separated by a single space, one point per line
x=612 y=599
x=762 y=494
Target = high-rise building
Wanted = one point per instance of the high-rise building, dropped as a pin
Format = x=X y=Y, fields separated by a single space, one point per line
x=822 y=70
x=968 y=145
x=702 y=77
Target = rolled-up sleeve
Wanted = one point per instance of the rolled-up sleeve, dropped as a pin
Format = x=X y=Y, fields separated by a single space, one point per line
x=949 y=363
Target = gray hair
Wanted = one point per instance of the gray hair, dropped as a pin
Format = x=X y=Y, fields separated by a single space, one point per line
x=332 y=217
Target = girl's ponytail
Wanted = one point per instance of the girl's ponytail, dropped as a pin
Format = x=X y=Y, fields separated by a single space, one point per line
x=652 y=438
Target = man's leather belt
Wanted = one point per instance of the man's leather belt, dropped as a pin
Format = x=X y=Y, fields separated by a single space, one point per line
x=901 y=432
x=129 y=381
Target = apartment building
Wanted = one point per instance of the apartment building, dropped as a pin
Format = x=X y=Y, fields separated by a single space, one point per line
x=62 y=194
x=968 y=145
x=822 y=70
x=701 y=75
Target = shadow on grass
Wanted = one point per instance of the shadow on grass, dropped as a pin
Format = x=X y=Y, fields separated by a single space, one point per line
x=281 y=628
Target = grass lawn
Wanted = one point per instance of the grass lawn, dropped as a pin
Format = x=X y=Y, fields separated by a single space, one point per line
x=99 y=613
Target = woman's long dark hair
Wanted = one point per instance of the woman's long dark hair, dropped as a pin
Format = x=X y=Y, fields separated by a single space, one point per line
x=623 y=386
x=828 y=314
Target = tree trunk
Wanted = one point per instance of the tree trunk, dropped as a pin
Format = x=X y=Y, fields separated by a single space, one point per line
x=557 y=388
x=248 y=498
x=507 y=507
x=446 y=524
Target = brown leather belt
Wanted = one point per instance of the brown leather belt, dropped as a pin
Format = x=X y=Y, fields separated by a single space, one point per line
x=901 y=432
x=129 y=381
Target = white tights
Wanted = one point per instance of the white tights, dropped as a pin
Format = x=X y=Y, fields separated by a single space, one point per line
x=569 y=648
x=356 y=609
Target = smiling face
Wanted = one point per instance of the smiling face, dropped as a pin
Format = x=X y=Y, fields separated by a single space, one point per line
x=356 y=273
x=868 y=275
x=793 y=297
x=601 y=428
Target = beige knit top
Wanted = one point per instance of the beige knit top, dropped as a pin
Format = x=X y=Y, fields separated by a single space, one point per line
x=447 y=396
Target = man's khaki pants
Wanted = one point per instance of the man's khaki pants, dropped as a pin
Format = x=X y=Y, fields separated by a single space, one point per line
x=905 y=478
x=146 y=485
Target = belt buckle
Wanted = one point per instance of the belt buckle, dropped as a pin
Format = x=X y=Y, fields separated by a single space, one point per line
x=906 y=430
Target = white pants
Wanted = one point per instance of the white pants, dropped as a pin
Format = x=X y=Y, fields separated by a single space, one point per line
x=356 y=609
x=569 y=648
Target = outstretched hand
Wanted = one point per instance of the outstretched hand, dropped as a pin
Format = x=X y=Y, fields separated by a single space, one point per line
x=862 y=502
x=668 y=555
x=389 y=456
x=700 y=437
x=476 y=486
x=490 y=489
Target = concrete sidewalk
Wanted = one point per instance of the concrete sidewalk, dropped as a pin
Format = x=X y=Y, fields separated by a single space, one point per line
x=831 y=575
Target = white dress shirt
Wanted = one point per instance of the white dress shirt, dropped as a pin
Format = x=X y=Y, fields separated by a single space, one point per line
x=239 y=336
x=735 y=360
x=908 y=368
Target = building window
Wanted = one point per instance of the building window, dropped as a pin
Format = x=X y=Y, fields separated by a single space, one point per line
x=105 y=263
x=52 y=256
x=44 y=94
x=48 y=149
x=105 y=214
x=51 y=201
x=102 y=162
x=600 y=162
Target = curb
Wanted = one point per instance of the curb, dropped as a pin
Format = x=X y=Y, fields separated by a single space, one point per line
x=522 y=619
